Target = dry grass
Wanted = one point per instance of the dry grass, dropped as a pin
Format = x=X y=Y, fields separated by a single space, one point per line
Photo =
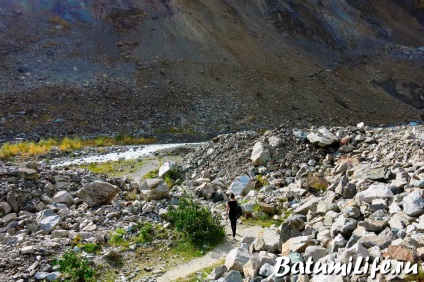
x=28 y=148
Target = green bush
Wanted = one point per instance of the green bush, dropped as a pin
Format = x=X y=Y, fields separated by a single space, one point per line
x=91 y=248
x=75 y=268
x=196 y=222
x=145 y=234
x=118 y=239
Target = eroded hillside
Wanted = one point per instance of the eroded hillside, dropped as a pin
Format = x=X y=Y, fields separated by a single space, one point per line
x=194 y=68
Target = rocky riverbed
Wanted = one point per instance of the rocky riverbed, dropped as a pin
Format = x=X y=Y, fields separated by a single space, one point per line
x=333 y=193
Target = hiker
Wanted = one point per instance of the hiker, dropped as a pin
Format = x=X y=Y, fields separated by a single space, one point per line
x=231 y=212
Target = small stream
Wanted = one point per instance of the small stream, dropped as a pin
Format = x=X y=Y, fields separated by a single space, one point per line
x=126 y=153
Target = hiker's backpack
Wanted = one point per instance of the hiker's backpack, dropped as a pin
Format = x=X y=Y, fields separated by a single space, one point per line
x=239 y=211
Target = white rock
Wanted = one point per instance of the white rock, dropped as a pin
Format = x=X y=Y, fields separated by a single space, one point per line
x=27 y=250
x=63 y=197
x=260 y=154
x=241 y=186
x=375 y=191
x=323 y=137
x=168 y=167
x=413 y=203
x=49 y=223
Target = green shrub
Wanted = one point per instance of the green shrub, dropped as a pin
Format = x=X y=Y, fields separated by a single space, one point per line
x=118 y=239
x=145 y=234
x=75 y=268
x=196 y=222
x=91 y=248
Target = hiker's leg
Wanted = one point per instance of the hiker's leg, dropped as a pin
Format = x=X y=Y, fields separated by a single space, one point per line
x=233 y=225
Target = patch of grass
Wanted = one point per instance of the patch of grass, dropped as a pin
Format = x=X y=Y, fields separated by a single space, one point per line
x=262 y=180
x=260 y=222
x=69 y=144
x=419 y=277
x=187 y=249
x=146 y=233
x=114 y=168
x=151 y=174
x=118 y=239
x=75 y=268
x=29 y=148
x=76 y=241
x=91 y=248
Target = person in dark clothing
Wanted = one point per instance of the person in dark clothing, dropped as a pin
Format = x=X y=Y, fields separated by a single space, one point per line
x=231 y=213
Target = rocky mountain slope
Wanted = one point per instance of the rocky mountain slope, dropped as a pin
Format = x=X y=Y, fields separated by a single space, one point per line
x=197 y=68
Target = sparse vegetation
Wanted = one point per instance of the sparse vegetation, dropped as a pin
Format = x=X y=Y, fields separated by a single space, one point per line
x=114 y=168
x=151 y=174
x=146 y=233
x=196 y=222
x=91 y=248
x=262 y=180
x=117 y=238
x=417 y=277
x=75 y=268
x=30 y=148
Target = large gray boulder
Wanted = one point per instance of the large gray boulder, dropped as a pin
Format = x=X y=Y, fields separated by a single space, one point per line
x=63 y=197
x=292 y=227
x=241 y=186
x=296 y=245
x=343 y=225
x=315 y=252
x=154 y=189
x=97 y=193
x=260 y=154
x=49 y=223
x=217 y=273
x=233 y=276
x=236 y=259
x=322 y=137
x=205 y=190
x=251 y=268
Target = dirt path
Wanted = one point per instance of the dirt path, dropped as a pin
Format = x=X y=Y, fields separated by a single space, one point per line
x=217 y=254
